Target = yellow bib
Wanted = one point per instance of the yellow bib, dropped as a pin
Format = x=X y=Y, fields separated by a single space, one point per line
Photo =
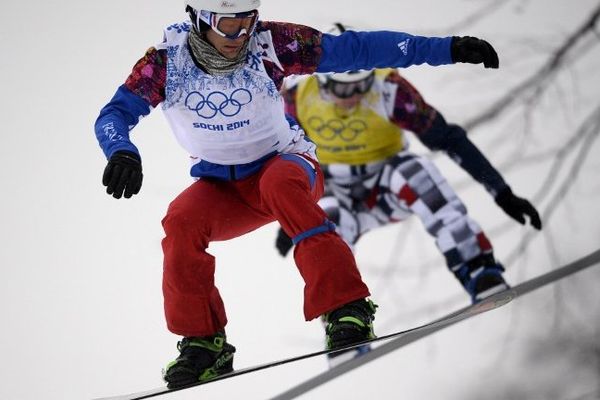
x=360 y=136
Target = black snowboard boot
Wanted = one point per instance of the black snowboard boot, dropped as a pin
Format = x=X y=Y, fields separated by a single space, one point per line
x=349 y=324
x=482 y=277
x=200 y=359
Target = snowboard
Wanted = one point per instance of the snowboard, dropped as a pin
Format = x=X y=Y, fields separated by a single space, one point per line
x=487 y=304
x=407 y=337
x=393 y=340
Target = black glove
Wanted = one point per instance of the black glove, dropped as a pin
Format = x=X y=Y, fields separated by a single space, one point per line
x=468 y=49
x=283 y=243
x=518 y=208
x=123 y=174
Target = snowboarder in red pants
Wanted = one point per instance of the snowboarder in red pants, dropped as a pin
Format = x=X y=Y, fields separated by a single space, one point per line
x=217 y=77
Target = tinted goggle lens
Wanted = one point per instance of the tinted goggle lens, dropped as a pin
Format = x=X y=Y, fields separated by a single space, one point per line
x=345 y=90
x=233 y=26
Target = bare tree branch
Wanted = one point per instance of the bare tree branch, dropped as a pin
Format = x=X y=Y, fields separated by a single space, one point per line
x=484 y=12
x=537 y=83
x=590 y=130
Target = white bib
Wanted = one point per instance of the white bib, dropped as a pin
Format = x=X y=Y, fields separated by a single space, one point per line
x=232 y=119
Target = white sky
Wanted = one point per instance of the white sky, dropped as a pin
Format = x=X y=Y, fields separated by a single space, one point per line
x=80 y=297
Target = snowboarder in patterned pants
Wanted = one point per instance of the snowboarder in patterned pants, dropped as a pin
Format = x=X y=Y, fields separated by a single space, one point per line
x=217 y=77
x=372 y=179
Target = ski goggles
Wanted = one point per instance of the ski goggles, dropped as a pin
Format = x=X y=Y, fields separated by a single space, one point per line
x=345 y=90
x=231 y=26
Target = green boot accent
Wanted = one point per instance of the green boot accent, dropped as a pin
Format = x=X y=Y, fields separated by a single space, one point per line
x=349 y=324
x=200 y=359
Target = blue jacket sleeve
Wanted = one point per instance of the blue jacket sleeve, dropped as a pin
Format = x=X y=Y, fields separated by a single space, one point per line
x=354 y=50
x=117 y=118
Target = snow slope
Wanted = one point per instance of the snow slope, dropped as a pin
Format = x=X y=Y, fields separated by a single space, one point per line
x=80 y=297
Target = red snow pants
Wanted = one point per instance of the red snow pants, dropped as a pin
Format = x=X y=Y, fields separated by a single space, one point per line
x=216 y=210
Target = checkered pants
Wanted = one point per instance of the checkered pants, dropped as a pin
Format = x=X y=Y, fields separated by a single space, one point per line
x=404 y=185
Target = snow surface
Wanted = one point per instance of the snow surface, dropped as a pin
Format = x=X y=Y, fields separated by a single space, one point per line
x=80 y=296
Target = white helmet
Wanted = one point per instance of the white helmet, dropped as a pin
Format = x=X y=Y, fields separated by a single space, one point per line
x=350 y=76
x=206 y=14
x=224 y=6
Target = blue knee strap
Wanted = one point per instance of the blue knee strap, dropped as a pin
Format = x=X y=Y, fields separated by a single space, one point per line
x=326 y=227
x=310 y=171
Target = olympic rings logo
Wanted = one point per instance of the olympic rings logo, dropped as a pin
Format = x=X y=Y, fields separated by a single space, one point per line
x=218 y=102
x=328 y=130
